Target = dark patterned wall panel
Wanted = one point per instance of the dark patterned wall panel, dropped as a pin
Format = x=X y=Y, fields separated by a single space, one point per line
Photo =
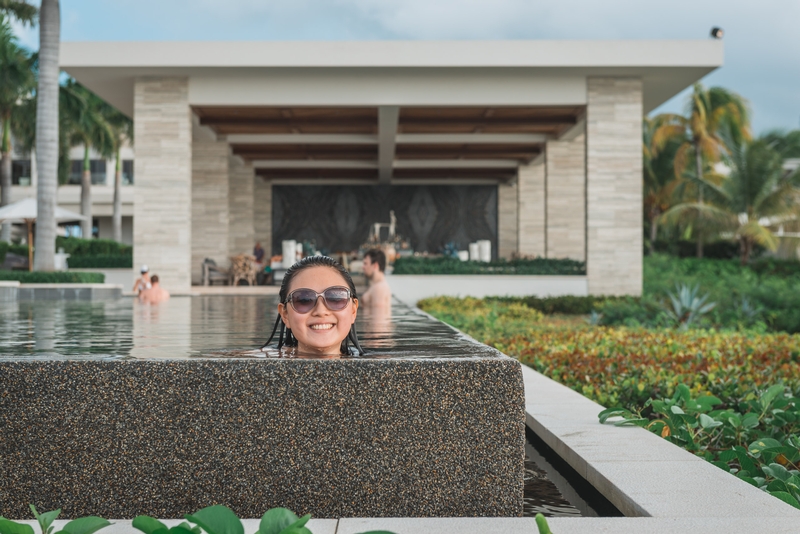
x=339 y=218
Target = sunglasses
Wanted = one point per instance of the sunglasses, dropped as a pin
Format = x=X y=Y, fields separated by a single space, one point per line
x=303 y=300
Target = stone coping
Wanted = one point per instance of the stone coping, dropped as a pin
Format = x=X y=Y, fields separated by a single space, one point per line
x=70 y=286
x=9 y=283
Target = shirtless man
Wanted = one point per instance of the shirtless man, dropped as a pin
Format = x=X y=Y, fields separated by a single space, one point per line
x=155 y=294
x=379 y=294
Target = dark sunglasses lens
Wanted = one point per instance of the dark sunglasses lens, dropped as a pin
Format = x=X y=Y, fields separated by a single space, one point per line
x=304 y=300
x=337 y=298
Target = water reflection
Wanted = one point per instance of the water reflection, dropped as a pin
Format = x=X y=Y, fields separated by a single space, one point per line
x=201 y=327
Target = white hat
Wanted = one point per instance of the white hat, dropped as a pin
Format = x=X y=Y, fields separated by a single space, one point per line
x=144 y=268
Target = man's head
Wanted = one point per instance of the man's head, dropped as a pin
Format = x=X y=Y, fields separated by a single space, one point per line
x=374 y=261
x=154 y=279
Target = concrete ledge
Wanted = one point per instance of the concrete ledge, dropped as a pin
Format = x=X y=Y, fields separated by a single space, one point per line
x=410 y=288
x=639 y=472
x=9 y=290
x=123 y=276
x=69 y=292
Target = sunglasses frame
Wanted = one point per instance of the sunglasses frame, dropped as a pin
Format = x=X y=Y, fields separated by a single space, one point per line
x=318 y=295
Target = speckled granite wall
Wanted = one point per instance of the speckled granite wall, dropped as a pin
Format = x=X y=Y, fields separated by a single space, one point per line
x=334 y=438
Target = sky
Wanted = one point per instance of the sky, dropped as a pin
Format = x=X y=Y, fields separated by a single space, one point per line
x=762 y=38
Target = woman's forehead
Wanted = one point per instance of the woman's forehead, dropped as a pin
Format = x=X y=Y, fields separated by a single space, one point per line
x=317 y=278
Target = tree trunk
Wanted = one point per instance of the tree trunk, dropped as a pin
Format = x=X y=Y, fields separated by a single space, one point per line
x=654 y=214
x=47 y=135
x=86 y=194
x=5 y=175
x=117 y=216
x=746 y=247
x=698 y=161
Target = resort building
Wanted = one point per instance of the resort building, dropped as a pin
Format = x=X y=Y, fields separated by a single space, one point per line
x=532 y=145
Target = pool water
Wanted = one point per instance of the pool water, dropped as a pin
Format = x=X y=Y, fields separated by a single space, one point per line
x=235 y=327
x=200 y=327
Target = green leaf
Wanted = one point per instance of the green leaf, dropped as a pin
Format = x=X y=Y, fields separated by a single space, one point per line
x=541 y=523
x=611 y=412
x=377 y=532
x=707 y=422
x=765 y=443
x=300 y=523
x=180 y=530
x=750 y=420
x=786 y=497
x=676 y=410
x=46 y=519
x=85 y=525
x=217 y=519
x=147 y=524
x=768 y=396
x=11 y=527
x=275 y=520
x=707 y=402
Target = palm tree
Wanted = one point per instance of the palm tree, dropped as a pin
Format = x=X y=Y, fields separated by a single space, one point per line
x=47 y=134
x=90 y=129
x=20 y=10
x=755 y=195
x=16 y=84
x=786 y=143
x=709 y=112
x=122 y=129
x=658 y=174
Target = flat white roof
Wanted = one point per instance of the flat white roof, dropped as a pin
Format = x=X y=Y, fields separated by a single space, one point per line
x=666 y=67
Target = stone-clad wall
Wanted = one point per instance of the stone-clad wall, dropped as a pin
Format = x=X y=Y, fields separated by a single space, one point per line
x=210 y=218
x=241 y=233
x=531 y=188
x=507 y=219
x=334 y=438
x=162 y=231
x=262 y=213
x=566 y=199
x=614 y=186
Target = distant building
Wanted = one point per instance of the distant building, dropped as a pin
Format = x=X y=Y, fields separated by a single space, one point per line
x=533 y=145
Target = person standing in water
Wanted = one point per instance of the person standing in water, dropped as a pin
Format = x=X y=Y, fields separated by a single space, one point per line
x=379 y=295
x=154 y=294
x=143 y=282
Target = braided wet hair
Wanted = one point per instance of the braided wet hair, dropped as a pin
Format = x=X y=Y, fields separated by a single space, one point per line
x=285 y=337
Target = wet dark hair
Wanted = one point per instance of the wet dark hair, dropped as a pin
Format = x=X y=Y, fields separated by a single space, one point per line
x=285 y=337
x=154 y=279
x=376 y=255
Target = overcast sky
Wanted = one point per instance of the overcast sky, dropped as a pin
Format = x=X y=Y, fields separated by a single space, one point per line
x=762 y=38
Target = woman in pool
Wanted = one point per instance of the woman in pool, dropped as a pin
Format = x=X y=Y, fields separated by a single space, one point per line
x=318 y=308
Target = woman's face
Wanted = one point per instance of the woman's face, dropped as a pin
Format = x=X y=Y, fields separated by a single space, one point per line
x=320 y=331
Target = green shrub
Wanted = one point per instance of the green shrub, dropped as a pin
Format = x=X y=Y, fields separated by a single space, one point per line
x=57 y=277
x=100 y=261
x=449 y=265
x=92 y=247
x=566 y=304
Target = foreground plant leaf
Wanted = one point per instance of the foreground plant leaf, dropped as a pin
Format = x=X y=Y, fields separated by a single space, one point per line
x=46 y=519
x=85 y=525
x=11 y=527
x=217 y=519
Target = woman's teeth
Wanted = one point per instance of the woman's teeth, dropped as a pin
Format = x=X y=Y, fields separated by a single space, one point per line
x=326 y=326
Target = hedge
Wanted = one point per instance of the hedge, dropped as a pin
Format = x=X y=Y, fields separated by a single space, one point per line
x=21 y=250
x=57 y=277
x=100 y=261
x=449 y=265
x=93 y=247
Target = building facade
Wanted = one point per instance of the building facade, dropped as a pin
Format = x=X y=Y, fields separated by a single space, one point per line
x=535 y=145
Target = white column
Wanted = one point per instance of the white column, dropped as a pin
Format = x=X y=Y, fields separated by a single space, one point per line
x=210 y=216
x=566 y=198
x=507 y=219
x=531 y=191
x=162 y=206
x=614 y=186
x=241 y=190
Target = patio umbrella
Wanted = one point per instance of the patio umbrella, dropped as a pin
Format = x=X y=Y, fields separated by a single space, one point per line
x=27 y=211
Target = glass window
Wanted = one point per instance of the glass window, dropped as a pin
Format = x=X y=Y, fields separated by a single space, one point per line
x=97 y=167
x=127 y=172
x=21 y=172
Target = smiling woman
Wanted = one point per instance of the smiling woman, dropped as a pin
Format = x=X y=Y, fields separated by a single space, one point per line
x=317 y=310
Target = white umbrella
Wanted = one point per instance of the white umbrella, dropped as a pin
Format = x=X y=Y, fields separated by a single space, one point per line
x=27 y=210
